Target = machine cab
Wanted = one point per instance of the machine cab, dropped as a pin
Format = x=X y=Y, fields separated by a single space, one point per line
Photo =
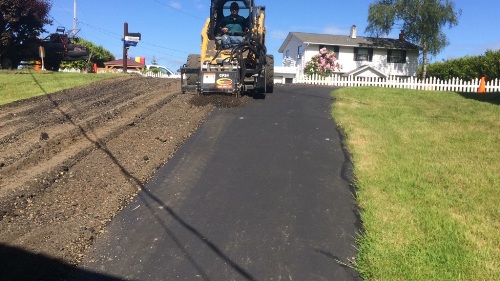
x=220 y=9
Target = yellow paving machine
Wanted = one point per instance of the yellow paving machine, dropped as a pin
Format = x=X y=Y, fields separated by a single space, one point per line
x=236 y=69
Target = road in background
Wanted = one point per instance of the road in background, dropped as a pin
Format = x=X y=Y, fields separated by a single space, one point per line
x=258 y=193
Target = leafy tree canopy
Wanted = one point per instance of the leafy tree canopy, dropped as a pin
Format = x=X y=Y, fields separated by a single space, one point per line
x=97 y=54
x=421 y=20
x=22 y=21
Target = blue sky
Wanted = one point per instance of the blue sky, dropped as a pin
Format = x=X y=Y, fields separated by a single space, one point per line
x=171 y=29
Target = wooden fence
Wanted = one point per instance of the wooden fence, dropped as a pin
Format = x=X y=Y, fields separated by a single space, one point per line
x=430 y=83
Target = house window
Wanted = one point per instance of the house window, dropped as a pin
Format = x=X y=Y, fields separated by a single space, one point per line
x=299 y=52
x=396 y=56
x=287 y=53
x=363 y=54
x=331 y=48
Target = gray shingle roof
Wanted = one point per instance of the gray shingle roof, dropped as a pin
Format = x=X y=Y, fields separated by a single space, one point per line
x=344 y=40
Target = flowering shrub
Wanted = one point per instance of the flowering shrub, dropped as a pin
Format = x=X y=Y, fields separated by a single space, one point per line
x=324 y=63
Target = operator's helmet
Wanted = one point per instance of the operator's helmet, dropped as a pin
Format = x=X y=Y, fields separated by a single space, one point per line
x=234 y=6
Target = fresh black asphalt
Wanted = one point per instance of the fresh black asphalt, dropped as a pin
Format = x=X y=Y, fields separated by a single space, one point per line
x=260 y=192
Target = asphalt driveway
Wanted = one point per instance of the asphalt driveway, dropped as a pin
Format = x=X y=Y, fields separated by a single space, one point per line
x=258 y=193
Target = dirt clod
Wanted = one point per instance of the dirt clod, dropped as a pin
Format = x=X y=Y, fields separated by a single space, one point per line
x=44 y=136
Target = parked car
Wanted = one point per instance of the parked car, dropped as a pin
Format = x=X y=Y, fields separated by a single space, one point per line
x=162 y=69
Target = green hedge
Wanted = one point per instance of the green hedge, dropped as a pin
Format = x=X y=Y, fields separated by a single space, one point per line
x=467 y=68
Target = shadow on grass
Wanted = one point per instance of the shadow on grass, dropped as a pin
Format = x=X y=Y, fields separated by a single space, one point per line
x=493 y=98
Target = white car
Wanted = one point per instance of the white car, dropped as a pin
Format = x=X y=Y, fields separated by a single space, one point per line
x=162 y=69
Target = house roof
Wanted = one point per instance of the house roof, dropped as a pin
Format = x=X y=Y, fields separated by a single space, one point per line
x=345 y=40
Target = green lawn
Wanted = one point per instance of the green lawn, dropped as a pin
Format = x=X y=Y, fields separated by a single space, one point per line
x=427 y=171
x=17 y=85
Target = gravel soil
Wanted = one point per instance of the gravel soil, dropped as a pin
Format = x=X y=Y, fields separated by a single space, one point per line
x=69 y=161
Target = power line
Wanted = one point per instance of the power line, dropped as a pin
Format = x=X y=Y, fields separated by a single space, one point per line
x=173 y=56
x=162 y=47
x=119 y=37
x=179 y=10
x=53 y=19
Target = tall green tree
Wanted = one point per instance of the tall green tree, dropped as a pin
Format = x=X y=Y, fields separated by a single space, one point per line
x=22 y=21
x=421 y=20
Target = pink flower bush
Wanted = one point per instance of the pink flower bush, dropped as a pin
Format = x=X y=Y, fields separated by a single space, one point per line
x=324 y=63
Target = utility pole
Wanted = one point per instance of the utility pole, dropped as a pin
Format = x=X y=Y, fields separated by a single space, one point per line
x=74 y=18
x=125 y=47
x=129 y=39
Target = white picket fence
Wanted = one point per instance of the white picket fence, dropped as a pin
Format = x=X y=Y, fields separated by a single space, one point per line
x=155 y=75
x=430 y=83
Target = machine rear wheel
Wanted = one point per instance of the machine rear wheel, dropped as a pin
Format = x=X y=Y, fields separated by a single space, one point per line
x=193 y=62
x=269 y=71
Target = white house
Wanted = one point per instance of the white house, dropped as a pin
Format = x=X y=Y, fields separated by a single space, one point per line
x=358 y=55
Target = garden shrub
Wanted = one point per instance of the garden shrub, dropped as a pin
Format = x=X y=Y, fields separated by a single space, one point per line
x=467 y=68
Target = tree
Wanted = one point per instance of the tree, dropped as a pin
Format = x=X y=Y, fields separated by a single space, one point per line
x=22 y=21
x=97 y=54
x=421 y=20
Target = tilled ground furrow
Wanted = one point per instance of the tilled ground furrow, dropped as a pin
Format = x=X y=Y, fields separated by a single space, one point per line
x=65 y=106
x=74 y=209
x=34 y=167
x=105 y=97
x=60 y=124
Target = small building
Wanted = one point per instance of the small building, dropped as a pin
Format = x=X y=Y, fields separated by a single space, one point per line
x=116 y=65
x=357 y=55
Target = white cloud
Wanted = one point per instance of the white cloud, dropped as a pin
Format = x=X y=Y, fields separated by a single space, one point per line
x=492 y=46
x=334 y=30
x=199 y=5
x=175 y=5
x=278 y=34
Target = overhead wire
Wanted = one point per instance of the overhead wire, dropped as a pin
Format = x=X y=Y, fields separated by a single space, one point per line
x=179 y=10
x=120 y=36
